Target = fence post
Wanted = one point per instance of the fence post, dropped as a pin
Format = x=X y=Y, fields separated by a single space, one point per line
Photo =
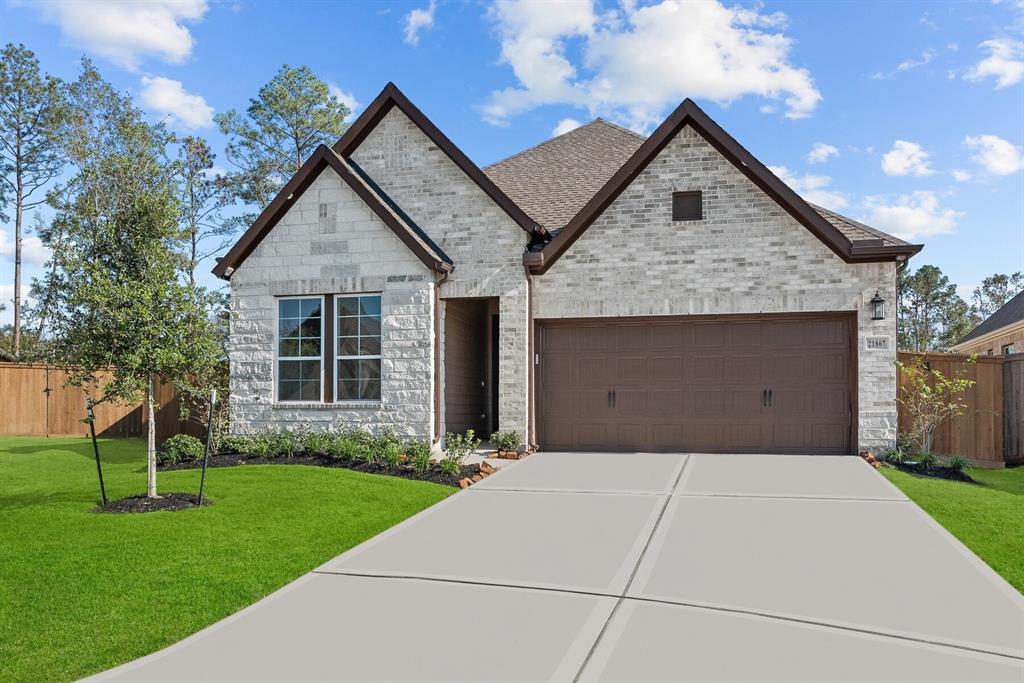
x=206 y=450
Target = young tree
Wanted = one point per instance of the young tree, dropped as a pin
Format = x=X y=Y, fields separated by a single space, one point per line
x=931 y=316
x=993 y=292
x=30 y=108
x=121 y=315
x=929 y=398
x=201 y=198
x=290 y=116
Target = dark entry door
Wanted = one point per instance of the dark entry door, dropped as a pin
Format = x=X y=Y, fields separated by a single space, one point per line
x=726 y=384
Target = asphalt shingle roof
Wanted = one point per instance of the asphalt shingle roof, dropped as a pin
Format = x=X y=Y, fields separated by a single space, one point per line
x=555 y=179
x=1011 y=312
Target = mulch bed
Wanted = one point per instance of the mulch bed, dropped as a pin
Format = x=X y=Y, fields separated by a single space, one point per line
x=937 y=471
x=405 y=471
x=166 y=501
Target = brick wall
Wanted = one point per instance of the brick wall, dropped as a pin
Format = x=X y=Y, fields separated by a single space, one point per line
x=747 y=256
x=331 y=242
x=485 y=244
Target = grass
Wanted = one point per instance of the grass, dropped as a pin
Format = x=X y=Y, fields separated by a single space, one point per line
x=81 y=592
x=988 y=517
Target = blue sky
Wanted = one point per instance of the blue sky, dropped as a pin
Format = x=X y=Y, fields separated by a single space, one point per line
x=908 y=116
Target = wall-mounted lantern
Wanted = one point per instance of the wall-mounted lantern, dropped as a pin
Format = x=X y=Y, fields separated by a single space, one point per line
x=877 y=307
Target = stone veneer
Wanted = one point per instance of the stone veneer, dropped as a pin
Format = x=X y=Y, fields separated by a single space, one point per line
x=330 y=242
x=483 y=241
x=747 y=256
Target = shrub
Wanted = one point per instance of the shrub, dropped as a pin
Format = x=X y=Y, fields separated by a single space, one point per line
x=261 y=444
x=317 y=443
x=419 y=455
x=894 y=456
x=506 y=441
x=929 y=398
x=284 y=443
x=236 y=443
x=959 y=464
x=926 y=459
x=450 y=465
x=180 y=448
x=348 y=446
x=390 y=452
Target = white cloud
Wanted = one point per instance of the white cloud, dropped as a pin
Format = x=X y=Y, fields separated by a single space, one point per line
x=633 y=62
x=346 y=98
x=996 y=155
x=419 y=20
x=564 y=126
x=912 y=216
x=812 y=188
x=33 y=252
x=906 y=158
x=821 y=152
x=1005 y=62
x=169 y=97
x=125 y=32
x=960 y=175
x=926 y=57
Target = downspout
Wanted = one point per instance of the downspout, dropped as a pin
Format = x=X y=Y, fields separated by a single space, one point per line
x=531 y=421
x=437 y=355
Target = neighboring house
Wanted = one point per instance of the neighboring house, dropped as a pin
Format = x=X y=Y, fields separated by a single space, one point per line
x=601 y=291
x=1001 y=334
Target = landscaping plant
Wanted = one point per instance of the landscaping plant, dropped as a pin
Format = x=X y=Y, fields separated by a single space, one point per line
x=929 y=398
x=505 y=441
x=958 y=463
x=180 y=448
x=893 y=456
x=456 y=448
x=284 y=443
x=926 y=459
x=419 y=455
x=236 y=443
x=318 y=443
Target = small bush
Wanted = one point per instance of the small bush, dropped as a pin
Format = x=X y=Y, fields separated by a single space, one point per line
x=317 y=443
x=390 y=452
x=450 y=465
x=894 y=456
x=179 y=448
x=419 y=455
x=959 y=464
x=236 y=443
x=506 y=441
x=284 y=443
x=261 y=444
x=348 y=446
x=926 y=459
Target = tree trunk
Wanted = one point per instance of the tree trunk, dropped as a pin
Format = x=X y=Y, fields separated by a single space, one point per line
x=18 y=213
x=151 y=447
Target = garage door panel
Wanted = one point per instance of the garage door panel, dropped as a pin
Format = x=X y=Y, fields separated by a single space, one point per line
x=697 y=385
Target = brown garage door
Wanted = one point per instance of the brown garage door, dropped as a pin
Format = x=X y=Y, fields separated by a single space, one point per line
x=725 y=384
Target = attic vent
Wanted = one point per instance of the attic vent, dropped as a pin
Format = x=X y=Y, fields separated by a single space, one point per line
x=687 y=206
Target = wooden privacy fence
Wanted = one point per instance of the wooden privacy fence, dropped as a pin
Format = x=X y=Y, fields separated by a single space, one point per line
x=1013 y=408
x=978 y=434
x=35 y=402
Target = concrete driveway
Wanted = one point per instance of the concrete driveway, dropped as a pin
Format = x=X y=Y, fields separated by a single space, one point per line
x=635 y=567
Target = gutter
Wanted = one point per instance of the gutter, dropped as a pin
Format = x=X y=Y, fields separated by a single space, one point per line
x=531 y=418
x=437 y=354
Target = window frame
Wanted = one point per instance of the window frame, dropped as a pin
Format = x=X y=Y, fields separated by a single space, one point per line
x=335 y=344
x=699 y=194
x=277 y=349
x=1009 y=349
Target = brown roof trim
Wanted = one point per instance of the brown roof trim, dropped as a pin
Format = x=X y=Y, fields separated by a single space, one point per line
x=411 y=235
x=688 y=113
x=390 y=97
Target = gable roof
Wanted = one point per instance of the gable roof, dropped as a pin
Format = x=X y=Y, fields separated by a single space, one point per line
x=1009 y=313
x=391 y=97
x=411 y=235
x=851 y=241
x=553 y=180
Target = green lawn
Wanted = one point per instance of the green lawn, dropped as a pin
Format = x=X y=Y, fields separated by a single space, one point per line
x=988 y=516
x=81 y=591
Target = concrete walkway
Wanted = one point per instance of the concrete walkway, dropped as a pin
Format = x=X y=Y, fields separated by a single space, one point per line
x=635 y=567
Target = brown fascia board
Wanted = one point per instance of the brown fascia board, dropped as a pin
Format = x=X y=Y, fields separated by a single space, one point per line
x=688 y=113
x=431 y=256
x=390 y=97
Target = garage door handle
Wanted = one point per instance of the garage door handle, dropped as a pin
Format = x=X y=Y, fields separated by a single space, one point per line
x=769 y=398
x=764 y=398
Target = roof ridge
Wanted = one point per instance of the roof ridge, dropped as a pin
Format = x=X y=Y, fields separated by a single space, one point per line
x=558 y=137
x=618 y=127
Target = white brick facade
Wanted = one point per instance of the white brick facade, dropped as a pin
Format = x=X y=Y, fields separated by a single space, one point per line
x=485 y=244
x=747 y=256
x=330 y=242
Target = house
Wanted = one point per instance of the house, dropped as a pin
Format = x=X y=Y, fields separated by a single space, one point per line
x=1002 y=333
x=600 y=291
